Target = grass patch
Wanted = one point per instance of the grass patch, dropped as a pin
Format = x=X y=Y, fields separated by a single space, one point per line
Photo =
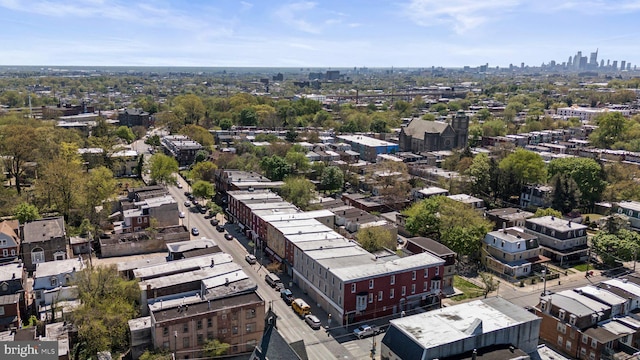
x=582 y=267
x=469 y=289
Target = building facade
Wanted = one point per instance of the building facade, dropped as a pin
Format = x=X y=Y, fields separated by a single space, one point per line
x=561 y=240
x=44 y=240
x=422 y=135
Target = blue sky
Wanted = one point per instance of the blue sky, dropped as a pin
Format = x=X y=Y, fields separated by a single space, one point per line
x=346 y=33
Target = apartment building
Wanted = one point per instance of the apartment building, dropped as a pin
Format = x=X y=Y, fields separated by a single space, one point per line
x=512 y=252
x=561 y=240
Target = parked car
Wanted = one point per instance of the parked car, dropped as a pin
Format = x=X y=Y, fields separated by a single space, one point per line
x=194 y=231
x=400 y=241
x=202 y=209
x=220 y=228
x=287 y=296
x=366 y=330
x=187 y=194
x=195 y=202
x=312 y=321
x=214 y=222
x=181 y=214
x=228 y=236
x=187 y=203
x=179 y=185
x=251 y=259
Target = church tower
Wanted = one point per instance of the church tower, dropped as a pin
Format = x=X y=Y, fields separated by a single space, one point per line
x=460 y=125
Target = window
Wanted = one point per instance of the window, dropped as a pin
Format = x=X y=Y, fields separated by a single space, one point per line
x=209 y=322
x=435 y=285
x=426 y=273
x=393 y=279
x=585 y=339
x=5 y=252
x=380 y=294
x=583 y=351
x=185 y=328
x=251 y=327
x=185 y=342
x=251 y=313
x=353 y=288
x=370 y=298
x=413 y=275
x=404 y=290
x=568 y=345
x=165 y=345
x=561 y=314
x=209 y=335
x=200 y=339
x=413 y=288
x=594 y=343
x=371 y=284
x=13 y=252
x=543 y=305
x=424 y=286
x=518 y=246
x=199 y=324
x=572 y=319
x=561 y=328
x=437 y=270
x=592 y=355
x=560 y=340
x=54 y=281
x=235 y=330
x=391 y=293
x=37 y=255
x=165 y=331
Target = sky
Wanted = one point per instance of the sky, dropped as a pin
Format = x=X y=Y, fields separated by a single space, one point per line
x=336 y=33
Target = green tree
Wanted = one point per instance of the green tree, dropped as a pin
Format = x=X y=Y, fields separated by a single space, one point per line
x=60 y=181
x=125 y=133
x=148 y=355
x=162 y=168
x=204 y=170
x=98 y=187
x=225 y=124
x=108 y=302
x=203 y=189
x=298 y=162
x=17 y=144
x=298 y=191
x=332 y=178
x=379 y=126
x=611 y=128
x=275 y=167
x=490 y=284
x=454 y=224
x=587 y=174
x=620 y=246
x=375 y=238
x=526 y=166
x=247 y=117
x=191 y=108
x=566 y=196
x=26 y=212
x=198 y=134
x=480 y=173
x=215 y=348
x=548 y=212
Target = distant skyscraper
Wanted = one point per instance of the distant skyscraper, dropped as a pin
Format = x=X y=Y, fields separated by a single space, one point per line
x=608 y=62
x=623 y=65
x=602 y=63
x=576 y=60
x=583 y=63
x=570 y=62
x=593 y=59
x=522 y=65
x=628 y=66
x=615 y=64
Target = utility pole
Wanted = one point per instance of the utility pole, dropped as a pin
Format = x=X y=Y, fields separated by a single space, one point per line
x=373 y=347
x=544 y=280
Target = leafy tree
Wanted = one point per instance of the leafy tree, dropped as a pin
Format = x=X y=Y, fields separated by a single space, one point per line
x=622 y=245
x=190 y=107
x=298 y=191
x=566 y=195
x=162 y=168
x=298 y=162
x=26 y=212
x=153 y=140
x=375 y=238
x=615 y=223
x=98 y=187
x=291 y=135
x=198 y=134
x=204 y=170
x=108 y=302
x=170 y=121
x=587 y=174
x=526 y=166
x=125 y=133
x=148 y=355
x=332 y=178
x=203 y=189
x=548 y=212
x=215 y=348
x=379 y=126
x=214 y=208
x=480 y=173
x=225 y=124
x=17 y=144
x=247 y=117
x=60 y=180
x=275 y=167
x=454 y=224
x=494 y=128
x=490 y=284
x=611 y=127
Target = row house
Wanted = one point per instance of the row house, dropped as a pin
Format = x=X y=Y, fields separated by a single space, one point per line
x=474 y=202
x=9 y=240
x=427 y=192
x=535 y=196
x=183 y=326
x=354 y=285
x=588 y=323
x=561 y=240
x=418 y=245
x=182 y=148
x=163 y=209
x=507 y=217
x=631 y=209
x=12 y=295
x=625 y=289
x=226 y=180
x=125 y=162
x=55 y=293
x=511 y=252
x=44 y=240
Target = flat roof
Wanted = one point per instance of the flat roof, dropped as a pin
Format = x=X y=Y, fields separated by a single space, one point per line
x=556 y=223
x=51 y=268
x=632 y=205
x=433 y=190
x=365 y=140
x=298 y=239
x=10 y=271
x=629 y=287
x=289 y=223
x=203 y=307
x=182 y=265
x=182 y=246
x=297 y=216
x=380 y=266
x=140 y=323
x=606 y=296
x=189 y=276
x=467 y=199
x=335 y=243
x=594 y=305
x=446 y=325
x=156 y=201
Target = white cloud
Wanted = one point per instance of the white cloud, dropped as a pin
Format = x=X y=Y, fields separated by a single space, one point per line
x=245 y=6
x=292 y=15
x=461 y=15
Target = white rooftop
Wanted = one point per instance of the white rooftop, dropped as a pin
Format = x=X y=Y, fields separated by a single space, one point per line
x=557 y=224
x=446 y=325
x=182 y=264
x=365 y=140
x=182 y=246
x=376 y=267
x=51 y=268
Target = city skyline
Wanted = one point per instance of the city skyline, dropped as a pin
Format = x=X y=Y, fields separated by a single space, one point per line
x=410 y=33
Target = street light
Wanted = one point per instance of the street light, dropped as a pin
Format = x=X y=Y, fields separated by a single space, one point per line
x=544 y=280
